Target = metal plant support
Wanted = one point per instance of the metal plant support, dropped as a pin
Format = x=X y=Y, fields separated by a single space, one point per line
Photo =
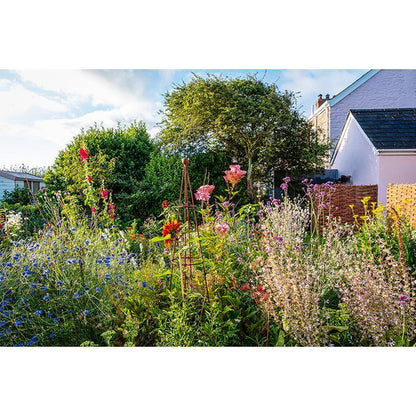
x=183 y=255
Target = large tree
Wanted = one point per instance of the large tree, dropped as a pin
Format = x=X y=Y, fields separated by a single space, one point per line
x=249 y=119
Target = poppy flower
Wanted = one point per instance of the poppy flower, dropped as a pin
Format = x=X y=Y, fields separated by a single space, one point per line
x=104 y=193
x=172 y=228
x=84 y=155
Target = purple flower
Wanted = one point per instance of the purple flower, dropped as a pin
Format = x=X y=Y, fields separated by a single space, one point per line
x=284 y=186
x=286 y=179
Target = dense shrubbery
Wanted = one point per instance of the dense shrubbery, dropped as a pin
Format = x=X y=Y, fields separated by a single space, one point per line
x=272 y=279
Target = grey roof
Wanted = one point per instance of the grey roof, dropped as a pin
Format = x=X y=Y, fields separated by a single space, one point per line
x=19 y=176
x=391 y=128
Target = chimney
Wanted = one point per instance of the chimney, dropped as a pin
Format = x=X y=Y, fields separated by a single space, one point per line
x=319 y=101
x=327 y=97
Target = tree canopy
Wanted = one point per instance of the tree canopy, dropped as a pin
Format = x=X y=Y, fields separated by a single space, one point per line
x=119 y=157
x=252 y=121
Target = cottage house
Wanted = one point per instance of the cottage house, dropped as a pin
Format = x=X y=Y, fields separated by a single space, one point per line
x=11 y=180
x=377 y=89
x=378 y=146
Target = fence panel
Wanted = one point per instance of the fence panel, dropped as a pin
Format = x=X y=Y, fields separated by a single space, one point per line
x=402 y=197
x=337 y=202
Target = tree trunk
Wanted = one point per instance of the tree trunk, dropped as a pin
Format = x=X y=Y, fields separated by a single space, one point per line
x=250 y=188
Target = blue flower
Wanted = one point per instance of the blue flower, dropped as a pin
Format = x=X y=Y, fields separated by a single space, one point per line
x=76 y=295
x=44 y=288
x=97 y=289
x=51 y=335
x=72 y=229
x=86 y=312
x=18 y=322
x=69 y=310
x=46 y=297
x=4 y=303
x=2 y=323
x=38 y=312
x=56 y=319
x=144 y=284
x=49 y=315
x=86 y=242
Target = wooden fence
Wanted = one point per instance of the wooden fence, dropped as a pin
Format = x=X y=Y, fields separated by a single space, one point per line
x=343 y=201
x=402 y=198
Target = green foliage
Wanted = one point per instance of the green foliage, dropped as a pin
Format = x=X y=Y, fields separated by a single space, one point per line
x=248 y=119
x=162 y=179
x=20 y=196
x=117 y=160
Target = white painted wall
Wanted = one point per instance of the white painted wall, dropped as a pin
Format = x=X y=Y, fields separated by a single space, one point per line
x=396 y=170
x=356 y=156
x=388 y=88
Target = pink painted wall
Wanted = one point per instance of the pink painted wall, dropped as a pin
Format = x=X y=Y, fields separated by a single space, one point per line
x=397 y=170
x=388 y=88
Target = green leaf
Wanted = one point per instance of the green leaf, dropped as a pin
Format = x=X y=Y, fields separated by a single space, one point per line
x=281 y=339
x=332 y=328
x=156 y=239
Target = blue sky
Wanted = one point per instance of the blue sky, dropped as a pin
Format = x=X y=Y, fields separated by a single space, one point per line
x=41 y=110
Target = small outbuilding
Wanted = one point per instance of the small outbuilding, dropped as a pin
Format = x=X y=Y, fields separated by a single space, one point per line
x=12 y=180
x=378 y=146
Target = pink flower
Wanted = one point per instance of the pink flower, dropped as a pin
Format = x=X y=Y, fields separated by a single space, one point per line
x=286 y=179
x=234 y=175
x=222 y=228
x=204 y=192
x=112 y=210
x=104 y=193
x=245 y=287
x=284 y=186
x=84 y=155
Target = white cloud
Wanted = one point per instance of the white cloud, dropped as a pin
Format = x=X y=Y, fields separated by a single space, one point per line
x=50 y=108
x=16 y=101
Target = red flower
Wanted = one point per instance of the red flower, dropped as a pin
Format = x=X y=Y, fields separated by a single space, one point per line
x=165 y=204
x=89 y=179
x=104 y=193
x=93 y=209
x=112 y=210
x=172 y=228
x=245 y=287
x=260 y=288
x=84 y=155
